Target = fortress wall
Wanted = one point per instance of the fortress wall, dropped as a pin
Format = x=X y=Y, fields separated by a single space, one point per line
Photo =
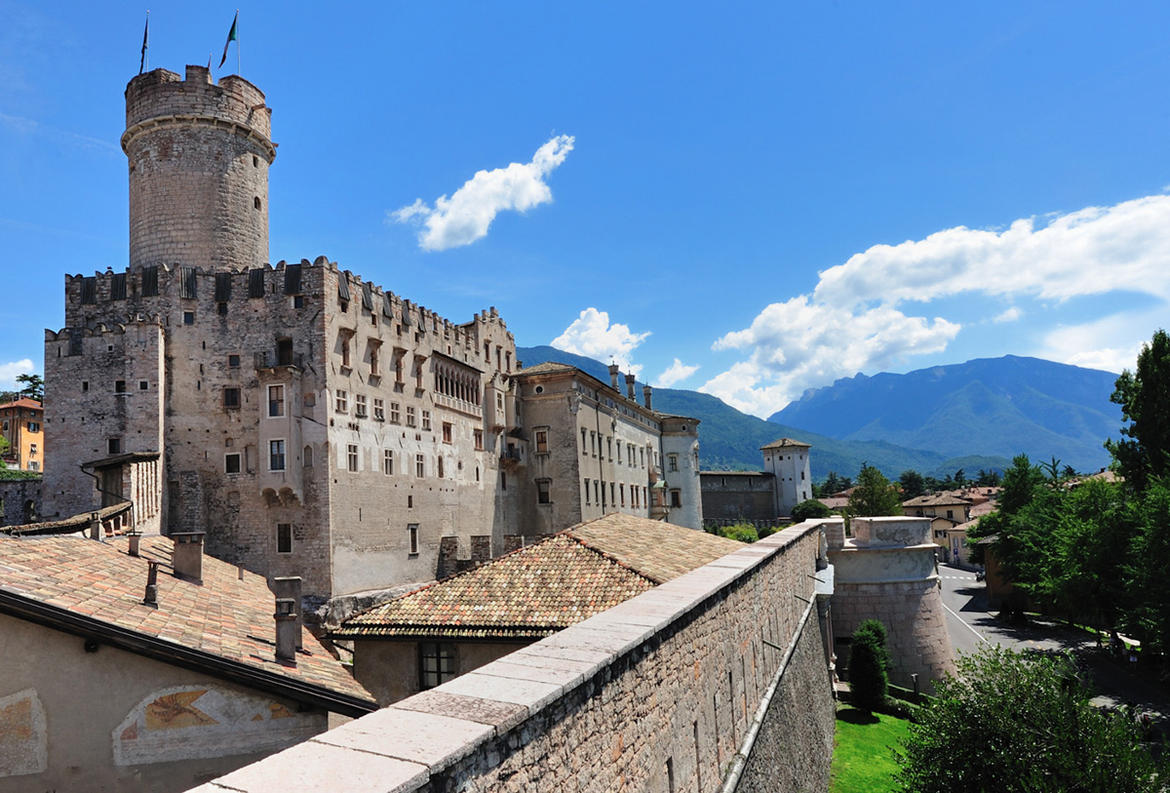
x=657 y=694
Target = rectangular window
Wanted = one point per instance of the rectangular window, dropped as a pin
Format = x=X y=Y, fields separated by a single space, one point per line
x=345 y=350
x=672 y=461
x=143 y=385
x=410 y=419
x=374 y=357
x=542 y=491
x=596 y=492
x=284 y=538
x=233 y=362
x=593 y=442
x=478 y=439
x=114 y=445
x=412 y=538
x=388 y=462
x=119 y=386
x=395 y=416
x=436 y=663
x=622 y=493
x=188 y=317
x=231 y=398
x=359 y=405
x=426 y=419
x=420 y=468
x=275 y=400
x=34 y=426
x=448 y=430
x=587 y=502
x=609 y=448
x=583 y=449
x=341 y=402
x=231 y=463
x=379 y=409
x=542 y=441
x=351 y=456
x=276 y=455
x=676 y=498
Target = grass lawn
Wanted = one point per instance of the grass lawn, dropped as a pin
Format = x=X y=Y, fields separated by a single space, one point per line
x=862 y=760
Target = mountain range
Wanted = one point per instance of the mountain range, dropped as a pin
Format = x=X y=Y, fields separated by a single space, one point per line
x=973 y=415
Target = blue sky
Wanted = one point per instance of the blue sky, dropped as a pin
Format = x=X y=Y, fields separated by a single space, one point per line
x=745 y=199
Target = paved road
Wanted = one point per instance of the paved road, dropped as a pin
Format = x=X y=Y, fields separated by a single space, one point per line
x=970 y=625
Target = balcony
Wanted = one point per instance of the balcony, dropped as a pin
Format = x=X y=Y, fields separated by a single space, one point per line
x=272 y=359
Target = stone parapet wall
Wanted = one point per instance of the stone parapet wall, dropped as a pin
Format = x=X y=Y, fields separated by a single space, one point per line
x=658 y=693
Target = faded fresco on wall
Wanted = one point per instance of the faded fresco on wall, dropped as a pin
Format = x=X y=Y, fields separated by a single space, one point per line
x=192 y=722
x=24 y=739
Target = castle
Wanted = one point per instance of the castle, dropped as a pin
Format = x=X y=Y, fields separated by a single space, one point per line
x=312 y=423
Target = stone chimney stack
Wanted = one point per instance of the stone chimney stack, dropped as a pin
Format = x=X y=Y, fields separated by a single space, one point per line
x=187 y=558
x=646 y=391
x=95 y=526
x=134 y=537
x=630 y=388
x=151 y=597
x=289 y=588
x=288 y=630
x=613 y=376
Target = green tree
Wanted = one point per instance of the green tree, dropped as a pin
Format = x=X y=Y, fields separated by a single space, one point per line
x=1144 y=396
x=874 y=495
x=807 y=510
x=1011 y=721
x=960 y=478
x=1148 y=614
x=988 y=478
x=32 y=386
x=913 y=484
x=868 y=662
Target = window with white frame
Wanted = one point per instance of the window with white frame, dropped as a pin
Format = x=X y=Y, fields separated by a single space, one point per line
x=426 y=419
x=672 y=462
x=420 y=468
x=359 y=405
x=341 y=402
x=410 y=416
x=275 y=401
x=351 y=456
x=379 y=409
x=395 y=415
x=276 y=455
x=388 y=462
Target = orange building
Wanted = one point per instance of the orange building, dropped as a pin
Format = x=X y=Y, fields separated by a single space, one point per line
x=21 y=422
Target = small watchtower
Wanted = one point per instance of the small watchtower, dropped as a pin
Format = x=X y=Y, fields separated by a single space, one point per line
x=199 y=154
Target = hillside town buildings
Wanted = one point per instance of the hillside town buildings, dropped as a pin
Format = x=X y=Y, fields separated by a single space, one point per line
x=313 y=423
x=22 y=422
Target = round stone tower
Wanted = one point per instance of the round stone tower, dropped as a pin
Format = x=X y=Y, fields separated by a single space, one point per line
x=199 y=156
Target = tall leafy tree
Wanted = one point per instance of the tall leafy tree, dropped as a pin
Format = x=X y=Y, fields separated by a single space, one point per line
x=1144 y=396
x=874 y=495
x=32 y=386
x=913 y=484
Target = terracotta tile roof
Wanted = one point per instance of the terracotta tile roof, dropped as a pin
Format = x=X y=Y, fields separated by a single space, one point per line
x=546 y=368
x=660 y=551
x=936 y=500
x=784 y=443
x=226 y=617
x=543 y=588
x=23 y=402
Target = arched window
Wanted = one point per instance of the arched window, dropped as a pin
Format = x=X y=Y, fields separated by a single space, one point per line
x=308 y=457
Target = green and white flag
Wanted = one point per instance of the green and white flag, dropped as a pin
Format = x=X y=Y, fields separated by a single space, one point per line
x=232 y=36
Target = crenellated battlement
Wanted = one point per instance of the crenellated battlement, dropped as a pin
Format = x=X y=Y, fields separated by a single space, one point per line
x=103 y=328
x=161 y=96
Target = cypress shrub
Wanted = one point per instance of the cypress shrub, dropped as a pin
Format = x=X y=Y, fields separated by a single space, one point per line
x=868 y=662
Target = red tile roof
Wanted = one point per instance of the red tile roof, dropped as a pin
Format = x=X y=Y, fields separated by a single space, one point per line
x=785 y=443
x=543 y=588
x=23 y=402
x=226 y=618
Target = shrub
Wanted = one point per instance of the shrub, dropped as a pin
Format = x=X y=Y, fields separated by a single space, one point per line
x=807 y=510
x=868 y=662
x=743 y=532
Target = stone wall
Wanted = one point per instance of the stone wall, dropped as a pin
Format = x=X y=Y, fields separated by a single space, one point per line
x=659 y=693
x=732 y=495
x=20 y=501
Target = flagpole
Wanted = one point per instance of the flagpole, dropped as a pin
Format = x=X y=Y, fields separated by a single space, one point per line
x=239 y=71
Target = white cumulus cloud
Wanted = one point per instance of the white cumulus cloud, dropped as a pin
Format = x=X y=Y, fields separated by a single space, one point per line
x=593 y=335
x=466 y=215
x=856 y=318
x=9 y=371
x=675 y=373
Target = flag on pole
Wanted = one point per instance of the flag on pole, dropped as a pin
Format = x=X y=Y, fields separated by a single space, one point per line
x=232 y=36
x=145 y=39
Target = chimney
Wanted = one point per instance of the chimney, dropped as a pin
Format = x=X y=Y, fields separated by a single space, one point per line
x=151 y=598
x=95 y=526
x=134 y=536
x=289 y=588
x=646 y=394
x=630 y=388
x=287 y=630
x=187 y=559
x=613 y=376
